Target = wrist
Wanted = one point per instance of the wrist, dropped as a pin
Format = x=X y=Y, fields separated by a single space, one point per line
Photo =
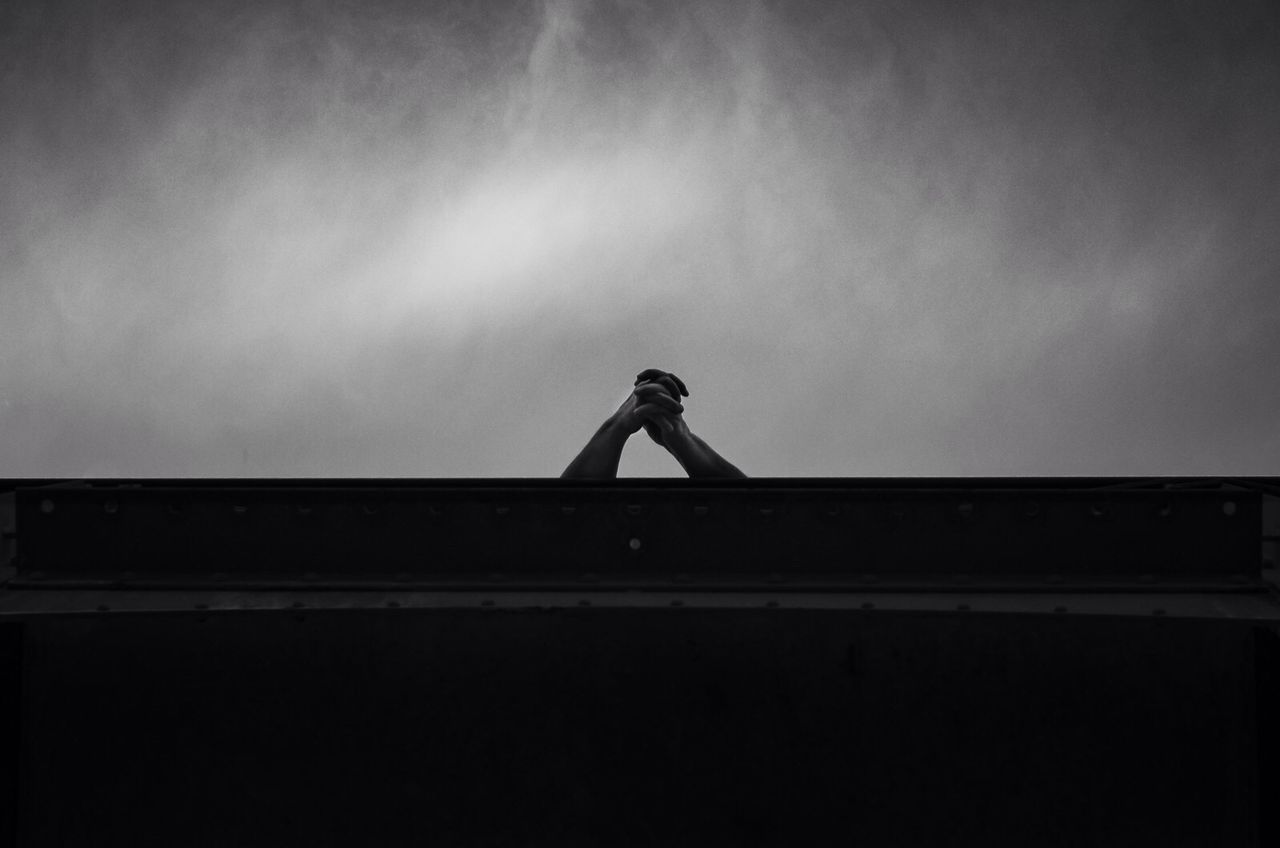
x=680 y=442
x=615 y=429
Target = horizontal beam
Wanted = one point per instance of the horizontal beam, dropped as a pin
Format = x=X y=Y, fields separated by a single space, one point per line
x=806 y=532
x=197 y=604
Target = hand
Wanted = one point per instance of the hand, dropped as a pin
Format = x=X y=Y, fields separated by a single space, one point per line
x=648 y=401
x=658 y=423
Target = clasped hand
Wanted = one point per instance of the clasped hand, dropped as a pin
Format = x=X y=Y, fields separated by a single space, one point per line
x=654 y=404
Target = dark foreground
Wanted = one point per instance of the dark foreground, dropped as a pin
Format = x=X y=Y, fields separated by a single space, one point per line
x=649 y=662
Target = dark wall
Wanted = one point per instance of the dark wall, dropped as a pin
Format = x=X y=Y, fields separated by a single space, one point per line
x=636 y=727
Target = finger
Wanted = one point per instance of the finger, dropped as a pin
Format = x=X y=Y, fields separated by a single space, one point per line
x=652 y=390
x=651 y=411
x=654 y=374
x=662 y=402
x=670 y=403
x=657 y=424
x=668 y=383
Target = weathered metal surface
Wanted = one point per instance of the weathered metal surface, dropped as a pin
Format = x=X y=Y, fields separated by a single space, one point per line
x=20 y=605
x=780 y=662
x=638 y=727
x=1266 y=656
x=11 y=728
x=788 y=529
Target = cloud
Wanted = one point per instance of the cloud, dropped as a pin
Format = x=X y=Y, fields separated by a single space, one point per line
x=438 y=239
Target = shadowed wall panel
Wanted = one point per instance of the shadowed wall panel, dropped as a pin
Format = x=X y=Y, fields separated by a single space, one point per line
x=674 y=727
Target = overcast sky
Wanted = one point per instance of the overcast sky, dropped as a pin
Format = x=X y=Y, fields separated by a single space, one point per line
x=440 y=239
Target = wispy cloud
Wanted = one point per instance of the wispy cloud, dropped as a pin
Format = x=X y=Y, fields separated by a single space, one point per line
x=438 y=239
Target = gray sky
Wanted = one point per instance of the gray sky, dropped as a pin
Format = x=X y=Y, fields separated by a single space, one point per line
x=440 y=239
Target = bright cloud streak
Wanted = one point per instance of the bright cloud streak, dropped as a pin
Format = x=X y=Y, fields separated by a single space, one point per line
x=439 y=239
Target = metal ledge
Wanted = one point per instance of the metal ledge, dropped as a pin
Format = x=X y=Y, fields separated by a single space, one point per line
x=534 y=528
x=18 y=605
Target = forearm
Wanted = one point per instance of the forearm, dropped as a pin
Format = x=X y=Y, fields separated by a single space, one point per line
x=599 y=459
x=699 y=460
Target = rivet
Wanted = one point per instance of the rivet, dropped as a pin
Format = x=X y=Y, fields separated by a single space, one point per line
x=965 y=510
x=370 y=509
x=1097 y=510
x=832 y=511
x=634 y=509
x=239 y=509
x=683 y=578
x=700 y=510
x=103 y=608
x=868 y=605
x=588 y=578
x=110 y=507
x=1059 y=609
x=1165 y=510
x=202 y=606
x=311 y=575
x=870 y=578
x=775 y=577
x=173 y=509
x=303 y=509
x=962 y=578
x=1053 y=578
x=634 y=544
x=495 y=576
x=1147 y=578
x=298 y=605
x=1157 y=611
x=584 y=603
x=962 y=607
x=1031 y=510
x=502 y=510
x=1239 y=578
x=46 y=506
x=568 y=510
x=393 y=604
x=403 y=576
x=766 y=510
x=772 y=604
x=1229 y=508
x=486 y=603
x=677 y=603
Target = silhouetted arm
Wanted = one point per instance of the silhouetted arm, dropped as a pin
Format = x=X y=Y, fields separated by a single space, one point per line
x=668 y=428
x=599 y=459
x=694 y=455
x=600 y=456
